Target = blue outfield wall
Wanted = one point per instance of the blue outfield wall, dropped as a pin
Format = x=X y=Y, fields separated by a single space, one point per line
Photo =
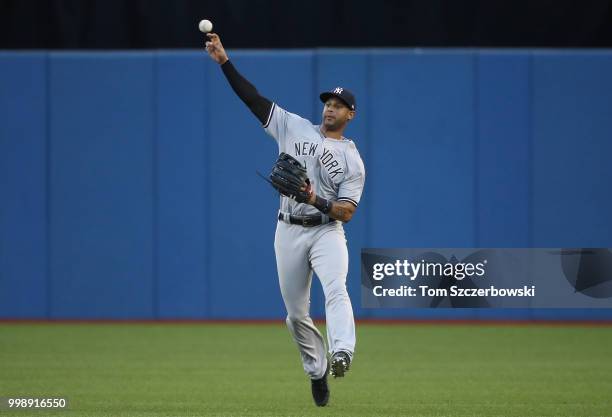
x=128 y=186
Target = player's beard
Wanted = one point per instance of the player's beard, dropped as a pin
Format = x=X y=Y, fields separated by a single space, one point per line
x=334 y=124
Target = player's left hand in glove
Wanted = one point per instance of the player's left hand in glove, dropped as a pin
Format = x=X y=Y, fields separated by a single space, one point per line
x=289 y=177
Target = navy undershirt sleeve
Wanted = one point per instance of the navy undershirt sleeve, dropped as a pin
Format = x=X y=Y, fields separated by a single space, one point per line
x=259 y=105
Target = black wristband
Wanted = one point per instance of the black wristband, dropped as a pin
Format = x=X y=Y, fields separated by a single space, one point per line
x=323 y=205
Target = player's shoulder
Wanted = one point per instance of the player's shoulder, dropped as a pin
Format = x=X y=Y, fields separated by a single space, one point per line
x=350 y=146
x=280 y=111
x=353 y=158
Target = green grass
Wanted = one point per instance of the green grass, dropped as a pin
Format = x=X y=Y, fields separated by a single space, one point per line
x=254 y=370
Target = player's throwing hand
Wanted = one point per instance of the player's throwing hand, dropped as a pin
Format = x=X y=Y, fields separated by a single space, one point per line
x=215 y=49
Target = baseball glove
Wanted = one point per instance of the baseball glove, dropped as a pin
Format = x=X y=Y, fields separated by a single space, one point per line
x=290 y=179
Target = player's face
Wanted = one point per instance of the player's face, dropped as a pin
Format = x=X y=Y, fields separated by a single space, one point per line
x=336 y=114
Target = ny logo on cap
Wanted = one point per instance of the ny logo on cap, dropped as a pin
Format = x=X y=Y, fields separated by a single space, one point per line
x=338 y=90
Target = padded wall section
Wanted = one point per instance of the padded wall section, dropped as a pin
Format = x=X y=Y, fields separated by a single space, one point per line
x=503 y=149
x=572 y=145
x=422 y=161
x=422 y=155
x=182 y=161
x=23 y=197
x=101 y=185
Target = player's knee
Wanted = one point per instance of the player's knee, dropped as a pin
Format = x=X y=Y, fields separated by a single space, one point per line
x=335 y=291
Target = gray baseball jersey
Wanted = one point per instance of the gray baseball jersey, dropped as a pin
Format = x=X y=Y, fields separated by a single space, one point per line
x=334 y=166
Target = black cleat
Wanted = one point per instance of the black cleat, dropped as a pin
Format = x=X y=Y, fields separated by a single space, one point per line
x=340 y=364
x=320 y=390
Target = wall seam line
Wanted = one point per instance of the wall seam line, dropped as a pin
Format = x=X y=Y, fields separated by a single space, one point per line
x=530 y=151
x=155 y=185
x=206 y=192
x=477 y=191
x=48 y=250
x=368 y=152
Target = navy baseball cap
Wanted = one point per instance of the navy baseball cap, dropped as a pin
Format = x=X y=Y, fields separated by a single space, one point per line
x=343 y=94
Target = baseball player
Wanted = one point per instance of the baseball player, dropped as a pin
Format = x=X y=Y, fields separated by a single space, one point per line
x=309 y=234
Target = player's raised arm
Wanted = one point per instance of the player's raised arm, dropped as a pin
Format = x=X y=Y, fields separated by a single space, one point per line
x=259 y=105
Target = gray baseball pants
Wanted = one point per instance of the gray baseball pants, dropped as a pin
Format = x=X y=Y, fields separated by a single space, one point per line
x=322 y=249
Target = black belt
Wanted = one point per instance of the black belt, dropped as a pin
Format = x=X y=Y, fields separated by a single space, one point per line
x=306 y=221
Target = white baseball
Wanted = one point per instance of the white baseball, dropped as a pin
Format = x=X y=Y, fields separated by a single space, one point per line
x=205 y=26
